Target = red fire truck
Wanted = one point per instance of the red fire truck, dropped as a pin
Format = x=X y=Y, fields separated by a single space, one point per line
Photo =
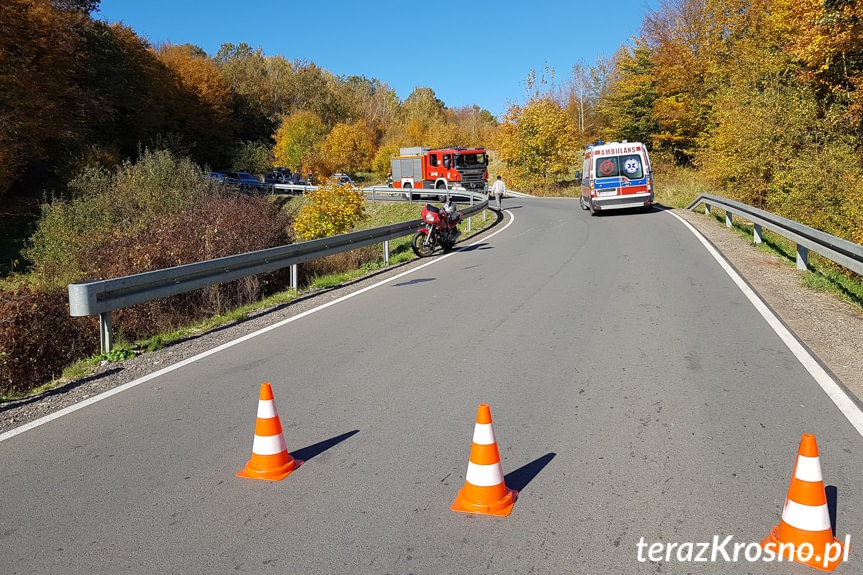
x=421 y=167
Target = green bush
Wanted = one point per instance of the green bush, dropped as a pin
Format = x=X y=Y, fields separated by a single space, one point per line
x=253 y=157
x=106 y=206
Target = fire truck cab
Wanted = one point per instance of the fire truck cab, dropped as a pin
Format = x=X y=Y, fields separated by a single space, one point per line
x=422 y=167
x=616 y=175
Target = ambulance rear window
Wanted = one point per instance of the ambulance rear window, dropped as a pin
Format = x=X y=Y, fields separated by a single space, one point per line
x=628 y=166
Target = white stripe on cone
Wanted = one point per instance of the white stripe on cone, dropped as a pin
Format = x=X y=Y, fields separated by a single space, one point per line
x=484 y=475
x=483 y=434
x=808 y=469
x=269 y=444
x=806 y=517
x=266 y=409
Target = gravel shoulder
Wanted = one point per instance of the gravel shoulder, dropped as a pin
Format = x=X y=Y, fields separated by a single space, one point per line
x=830 y=328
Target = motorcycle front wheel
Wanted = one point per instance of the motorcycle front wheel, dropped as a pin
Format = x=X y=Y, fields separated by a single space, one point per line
x=420 y=246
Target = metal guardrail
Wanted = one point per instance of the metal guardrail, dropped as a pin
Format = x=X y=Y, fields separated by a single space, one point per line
x=103 y=296
x=843 y=252
x=375 y=192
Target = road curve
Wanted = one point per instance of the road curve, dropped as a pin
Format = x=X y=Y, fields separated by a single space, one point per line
x=635 y=393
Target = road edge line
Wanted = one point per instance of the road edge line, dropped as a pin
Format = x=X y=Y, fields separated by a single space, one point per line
x=836 y=394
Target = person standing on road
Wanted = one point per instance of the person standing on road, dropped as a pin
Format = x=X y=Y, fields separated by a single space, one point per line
x=498 y=188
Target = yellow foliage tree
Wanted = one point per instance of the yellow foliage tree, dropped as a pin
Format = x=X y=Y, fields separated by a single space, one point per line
x=537 y=142
x=297 y=139
x=334 y=210
x=444 y=134
x=827 y=37
x=382 y=163
x=350 y=147
x=415 y=131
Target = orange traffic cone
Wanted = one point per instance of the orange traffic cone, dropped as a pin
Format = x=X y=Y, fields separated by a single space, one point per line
x=270 y=458
x=806 y=518
x=484 y=490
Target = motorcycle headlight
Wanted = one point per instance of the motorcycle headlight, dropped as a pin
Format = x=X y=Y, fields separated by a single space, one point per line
x=430 y=218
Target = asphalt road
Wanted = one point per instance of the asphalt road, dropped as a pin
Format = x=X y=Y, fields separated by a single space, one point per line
x=635 y=394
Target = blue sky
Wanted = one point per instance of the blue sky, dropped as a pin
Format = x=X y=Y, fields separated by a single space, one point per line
x=467 y=51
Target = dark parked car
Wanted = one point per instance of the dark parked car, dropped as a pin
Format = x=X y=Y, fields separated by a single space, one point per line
x=284 y=176
x=277 y=178
x=244 y=181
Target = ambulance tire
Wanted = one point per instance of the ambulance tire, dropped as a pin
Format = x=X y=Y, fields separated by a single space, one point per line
x=582 y=203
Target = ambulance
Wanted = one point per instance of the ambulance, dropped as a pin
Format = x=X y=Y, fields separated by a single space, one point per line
x=616 y=175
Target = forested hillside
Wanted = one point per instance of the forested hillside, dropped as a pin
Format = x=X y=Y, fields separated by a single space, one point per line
x=764 y=97
x=78 y=92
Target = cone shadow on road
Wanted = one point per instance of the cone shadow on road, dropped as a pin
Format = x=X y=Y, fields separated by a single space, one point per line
x=311 y=451
x=519 y=478
x=832 y=504
x=413 y=282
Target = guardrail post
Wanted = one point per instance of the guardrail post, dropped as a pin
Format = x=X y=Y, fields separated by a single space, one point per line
x=802 y=257
x=387 y=252
x=728 y=219
x=756 y=233
x=294 y=278
x=105 y=339
x=706 y=208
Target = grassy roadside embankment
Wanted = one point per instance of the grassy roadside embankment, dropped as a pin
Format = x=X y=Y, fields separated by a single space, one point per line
x=380 y=213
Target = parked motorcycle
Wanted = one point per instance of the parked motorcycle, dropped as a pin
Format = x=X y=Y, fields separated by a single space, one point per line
x=439 y=230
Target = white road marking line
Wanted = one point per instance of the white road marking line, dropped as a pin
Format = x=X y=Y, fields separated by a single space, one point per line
x=89 y=401
x=848 y=408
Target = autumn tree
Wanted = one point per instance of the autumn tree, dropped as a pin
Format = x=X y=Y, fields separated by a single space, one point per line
x=627 y=107
x=334 y=209
x=245 y=70
x=203 y=101
x=536 y=141
x=349 y=148
x=77 y=5
x=368 y=99
x=477 y=126
x=382 y=160
x=827 y=38
x=41 y=103
x=299 y=136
